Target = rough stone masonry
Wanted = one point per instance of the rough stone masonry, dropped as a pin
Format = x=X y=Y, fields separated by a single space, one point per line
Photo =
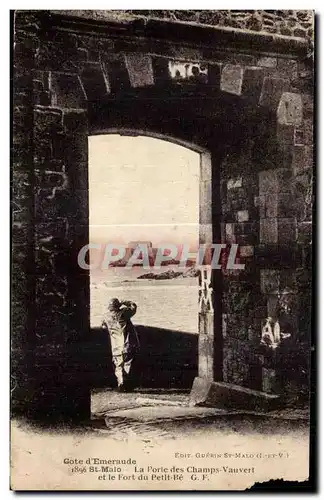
x=248 y=100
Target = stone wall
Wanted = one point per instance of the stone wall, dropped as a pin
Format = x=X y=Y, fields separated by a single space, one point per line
x=267 y=210
x=251 y=108
x=295 y=23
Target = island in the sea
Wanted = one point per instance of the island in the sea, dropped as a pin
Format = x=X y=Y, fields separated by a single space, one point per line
x=192 y=272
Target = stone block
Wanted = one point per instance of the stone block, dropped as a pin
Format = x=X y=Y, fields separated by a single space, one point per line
x=286 y=205
x=49 y=180
x=251 y=183
x=240 y=374
x=236 y=203
x=268 y=182
x=140 y=69
x=161 y=73
x=304 y=232
x=290 y=109
x=246 y=251
x=50 y=233
x=289 y=279
x=300 y=33
x=19 y=284
x=309 y=157
x=272 y=305
x=53 y=301
x=267 y=62
x=269 y=230
x=236 y=330
x=22 y=125
x=19 y=232
x=284 y=30
x=205 y=208
x=51 y=205
x=252 y=83
x=246 y=227
x=22 y=82
x=260 y=203
x=21 y=195
x=94 y=81
x=286 y=230
x=20 y=98
x=206 y=346
x=214 y=75
x=285 y=179
x=308 y=132
x=224 y=325
x=287 y=67
x=67 y=91
x=299 y=138
x=206 y=170
x=269 y=380
x=232 y=79
x=298 y=159
x=115 y=68
x=260 y=312
x=43 y=153
x=308 y=106
x=272 y=91
x=287 y=155
x=205 y=233
x=24 y=53
x=242 y=216
x=269 y=281
x=42 y=98
x=75 y=122
x=59 y=54
x=271 y=205
x=229 y=233
x=234 y=183
x=183 y=53
x=19 y=335
x=43 y=77
x=285 y=134
x=223 y=395
x=228 y=364
x=47 y=121
x=247 y=239
x=304 y=196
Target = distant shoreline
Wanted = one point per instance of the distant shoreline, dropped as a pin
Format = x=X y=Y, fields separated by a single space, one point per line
x=180 y=282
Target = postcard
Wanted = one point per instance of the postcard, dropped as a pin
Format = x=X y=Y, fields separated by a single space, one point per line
x=162 y=193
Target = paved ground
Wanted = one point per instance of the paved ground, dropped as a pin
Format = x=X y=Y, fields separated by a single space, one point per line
x=106 y=400
x=150 y=415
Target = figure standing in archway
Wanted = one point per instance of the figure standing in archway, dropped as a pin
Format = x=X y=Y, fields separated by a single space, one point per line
x=124 y=341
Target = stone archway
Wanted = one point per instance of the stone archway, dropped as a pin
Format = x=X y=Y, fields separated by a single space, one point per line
x=173 y=350
x=209 y=324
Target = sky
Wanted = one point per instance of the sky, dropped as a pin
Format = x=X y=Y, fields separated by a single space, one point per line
x=142 y=188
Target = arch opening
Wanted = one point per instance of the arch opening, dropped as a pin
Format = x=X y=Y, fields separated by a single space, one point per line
x=148 y=190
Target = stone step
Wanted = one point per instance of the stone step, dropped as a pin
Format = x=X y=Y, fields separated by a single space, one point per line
x=158 y=413
x=230 y=396
x=107 y=400
x=158 y=401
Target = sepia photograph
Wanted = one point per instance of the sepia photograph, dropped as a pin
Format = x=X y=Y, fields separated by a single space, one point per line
x=162 y=267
